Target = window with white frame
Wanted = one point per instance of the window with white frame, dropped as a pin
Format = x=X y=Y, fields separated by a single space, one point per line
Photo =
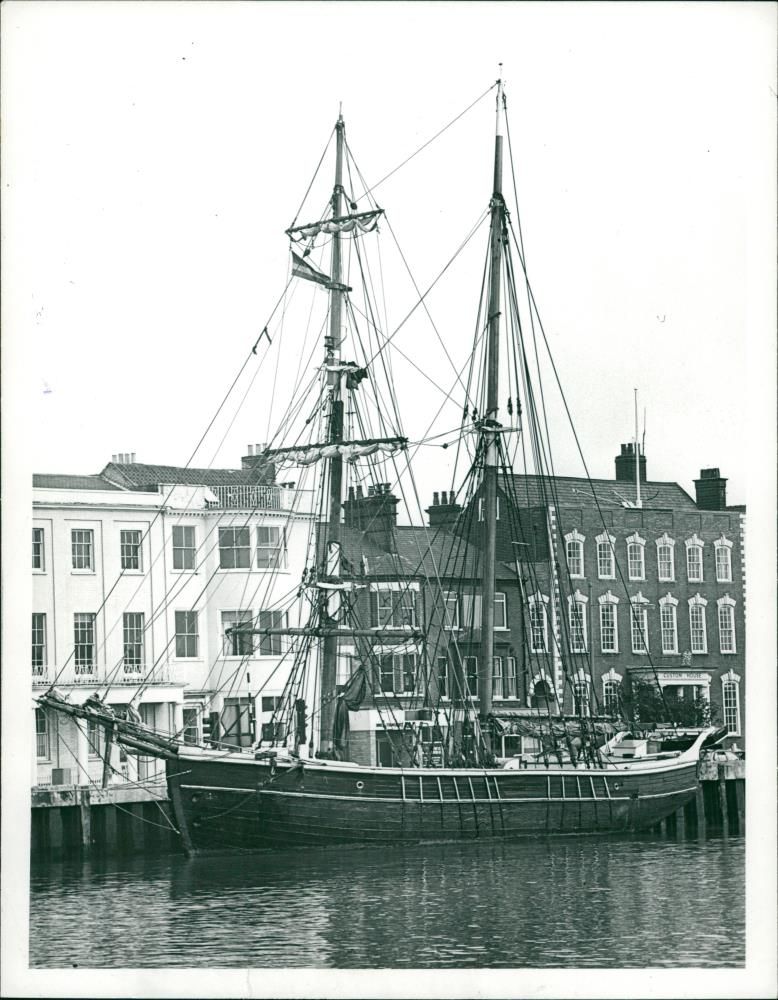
x=82 y=548
x=500 y=611
x=132 y=630
x=481 y=509
x=130 y=549
x=38 y=552
x=471 y=610
x=94 y=733
x=191 y=727
x=234 y=548
x=187 y=635
x=726 y=624
x=470 y=663
x=397 y=672
x=668 y=624
x=636 y=557
x=84 y=642
x=271 y=547
x=665 y=558
x=639 y=624
x=184 y=547
x=611 y=686
x=577 y=618
x=581 y=696
x=723 y=549
x=697 y=628
x=694 y=547
x=538 y=623
x=38 y=644
x=606 y=560
x=393 y=608
x=511 y=678
x=450 y=610
x=609 y=629
x=730 y=698
x=497 y=677
x=574 y=550
x=239 y=643
x=42 y=748
x=271 y=645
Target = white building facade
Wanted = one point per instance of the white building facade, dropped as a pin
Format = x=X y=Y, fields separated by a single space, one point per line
x=137 y=575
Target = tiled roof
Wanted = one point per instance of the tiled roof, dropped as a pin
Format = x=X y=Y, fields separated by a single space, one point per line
x=56 y=481
x=572 y=491
x=419 y=552
x=148 y=477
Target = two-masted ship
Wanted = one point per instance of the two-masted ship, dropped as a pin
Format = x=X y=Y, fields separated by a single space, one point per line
x=310 y=782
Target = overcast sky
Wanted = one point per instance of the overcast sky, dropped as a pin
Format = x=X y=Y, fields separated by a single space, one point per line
x=155 y=154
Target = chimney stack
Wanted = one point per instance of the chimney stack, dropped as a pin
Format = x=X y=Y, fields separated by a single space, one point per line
x=444 y=509
x=375 y=514
x=625 y=465
x=711 y=490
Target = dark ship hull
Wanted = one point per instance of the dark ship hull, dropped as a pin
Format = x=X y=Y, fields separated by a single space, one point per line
x=237 y=803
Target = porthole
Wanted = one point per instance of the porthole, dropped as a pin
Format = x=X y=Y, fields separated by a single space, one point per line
x=360 y=785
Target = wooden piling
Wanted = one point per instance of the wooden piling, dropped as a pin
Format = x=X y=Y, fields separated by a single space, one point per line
x=680 y=823
x=740 y=797
x=722 y=783
x=699 y=802
x=56 y=830
x=109 y=829
x=85 y=812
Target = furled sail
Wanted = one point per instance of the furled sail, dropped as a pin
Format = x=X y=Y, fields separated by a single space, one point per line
x=348 y=450
x=362 y=222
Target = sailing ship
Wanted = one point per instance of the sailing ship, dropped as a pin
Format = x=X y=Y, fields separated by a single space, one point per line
x=383 y=617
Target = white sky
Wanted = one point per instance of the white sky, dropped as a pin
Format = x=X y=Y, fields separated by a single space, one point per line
x=155 y=154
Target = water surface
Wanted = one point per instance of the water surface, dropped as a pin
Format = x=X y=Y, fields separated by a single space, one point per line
x=558 y=903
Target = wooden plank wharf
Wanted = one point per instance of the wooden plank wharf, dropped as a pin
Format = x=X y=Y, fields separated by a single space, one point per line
x=122 y=819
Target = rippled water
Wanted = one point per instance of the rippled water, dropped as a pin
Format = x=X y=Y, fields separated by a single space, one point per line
x=560 y=903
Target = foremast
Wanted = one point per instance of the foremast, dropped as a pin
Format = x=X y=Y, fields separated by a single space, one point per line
x=330 y=551
x=489 y=436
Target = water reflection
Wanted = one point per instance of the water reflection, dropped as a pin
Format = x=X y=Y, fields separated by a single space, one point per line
x=596 y=902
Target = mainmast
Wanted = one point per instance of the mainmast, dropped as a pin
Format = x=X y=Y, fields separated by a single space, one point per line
x=331 y=549
x=490 y=438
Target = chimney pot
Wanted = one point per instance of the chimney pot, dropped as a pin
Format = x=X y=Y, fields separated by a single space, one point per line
x=250 y=449
x=132 y=457
x=258 y=449
x=435 y=499
x=351 y=492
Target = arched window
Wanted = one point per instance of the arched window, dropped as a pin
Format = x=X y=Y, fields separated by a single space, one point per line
x=577 y=617
x=639 y=623
x=665 y=557
x=581 y=704
x=636 y=557
x=611 y=687
x=609 y=630
x=575 y=553
x=668 y=623
x=727 y=642
x=538 y=620
x=723 y=547
x=697 y=628
x=606 y=563
x=694 y=559
x=730 y=699
x=541 y=695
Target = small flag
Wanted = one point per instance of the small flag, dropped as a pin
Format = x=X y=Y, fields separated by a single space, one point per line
x=302 y=269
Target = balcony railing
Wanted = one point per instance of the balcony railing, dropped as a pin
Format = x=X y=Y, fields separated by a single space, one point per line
x=262 y=498
x=84 y=677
